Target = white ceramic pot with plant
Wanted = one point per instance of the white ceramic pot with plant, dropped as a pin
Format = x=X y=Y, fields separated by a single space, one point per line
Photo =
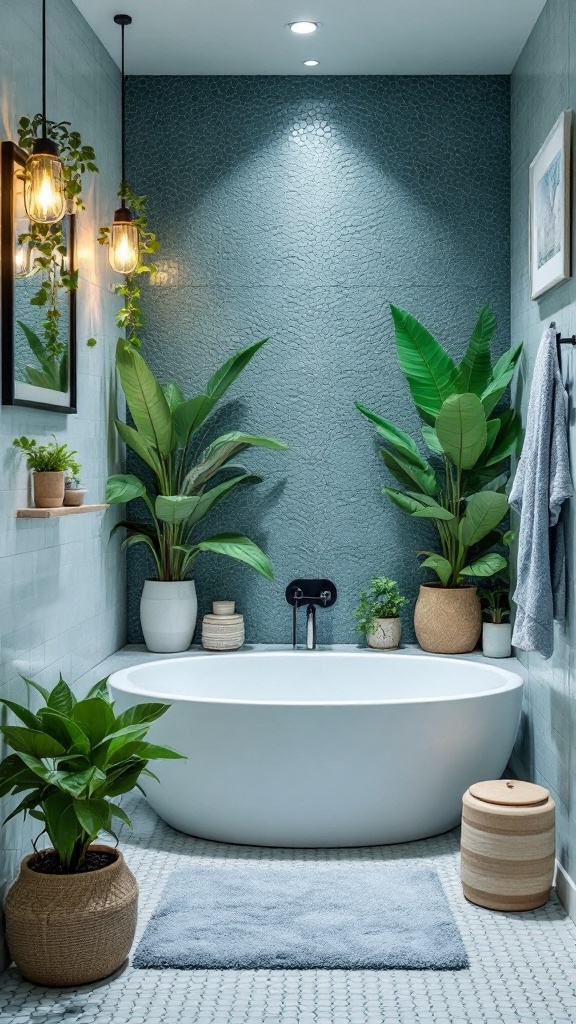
x=496 y=633
x=470 y=434
x=378 y=614
x=71 y=913
x=166 y=427
x=74 y=492
x=49 y=464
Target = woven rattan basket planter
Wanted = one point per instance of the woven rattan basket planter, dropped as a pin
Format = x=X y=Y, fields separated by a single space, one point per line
x=507 y=846
x=447 y=620
x=71 y=929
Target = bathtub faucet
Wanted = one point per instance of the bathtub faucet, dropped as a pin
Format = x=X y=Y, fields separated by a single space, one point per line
x=312 y=593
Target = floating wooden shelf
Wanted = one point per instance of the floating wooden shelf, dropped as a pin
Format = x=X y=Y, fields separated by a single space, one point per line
x=56 y=513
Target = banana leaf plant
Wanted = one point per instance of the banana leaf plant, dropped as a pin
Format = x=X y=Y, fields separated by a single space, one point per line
x=470 y=434
x=52 y=371
x=165 y=436
x=71 y=759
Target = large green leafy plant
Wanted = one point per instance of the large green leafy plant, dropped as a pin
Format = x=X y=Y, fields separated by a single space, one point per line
x=71 y=758
x=166 y=438
x=470 y=433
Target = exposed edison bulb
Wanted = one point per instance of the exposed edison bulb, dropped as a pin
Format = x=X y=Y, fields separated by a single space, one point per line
x=44 y=196
x=123 y=251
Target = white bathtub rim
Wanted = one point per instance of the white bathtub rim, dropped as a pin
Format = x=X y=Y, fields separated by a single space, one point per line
x=120 y=680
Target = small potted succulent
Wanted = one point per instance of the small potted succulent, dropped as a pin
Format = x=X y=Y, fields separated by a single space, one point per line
x=496 y=633
x=71 y=913
x=378 y=612
x=74 y=492
x=49 y=464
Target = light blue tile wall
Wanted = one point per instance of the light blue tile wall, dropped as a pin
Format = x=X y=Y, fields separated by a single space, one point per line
x=543 y=85
x=62 y=582
x=299 y=209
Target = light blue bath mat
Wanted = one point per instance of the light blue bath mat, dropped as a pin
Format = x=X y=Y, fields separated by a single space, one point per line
x=303 y=915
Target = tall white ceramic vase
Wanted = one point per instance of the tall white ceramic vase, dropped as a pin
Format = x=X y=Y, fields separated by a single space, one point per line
x=496 y=639
x=168 y=615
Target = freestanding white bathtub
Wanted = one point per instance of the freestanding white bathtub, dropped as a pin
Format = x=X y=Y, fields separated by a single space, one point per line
x=289 y=748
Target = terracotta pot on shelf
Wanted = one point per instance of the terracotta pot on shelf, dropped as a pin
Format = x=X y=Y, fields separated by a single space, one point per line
x=71 y=929
x=447 y=620
x=385 y=634
x=49 y=489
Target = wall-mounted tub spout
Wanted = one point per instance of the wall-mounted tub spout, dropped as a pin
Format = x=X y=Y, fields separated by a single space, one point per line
x=313 y=592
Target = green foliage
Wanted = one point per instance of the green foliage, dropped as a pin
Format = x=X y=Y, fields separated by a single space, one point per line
x=71 y=759
x=470 y=435
x=130 y=318
x=47 y=458
x=381 y=600
x=166 y=437
x=49 y=248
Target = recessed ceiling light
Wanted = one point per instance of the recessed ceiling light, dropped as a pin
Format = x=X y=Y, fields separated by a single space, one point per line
x=311 y=63
x=303 y=28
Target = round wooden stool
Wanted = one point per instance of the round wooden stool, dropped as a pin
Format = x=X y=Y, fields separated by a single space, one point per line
x=507 y=846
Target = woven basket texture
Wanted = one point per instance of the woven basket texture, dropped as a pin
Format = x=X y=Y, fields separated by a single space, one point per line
x=447 y=620
x=71 y=929
x=507 y=854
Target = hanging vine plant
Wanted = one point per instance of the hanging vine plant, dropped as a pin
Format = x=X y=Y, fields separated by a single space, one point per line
x=130 y=317
x=48 y=245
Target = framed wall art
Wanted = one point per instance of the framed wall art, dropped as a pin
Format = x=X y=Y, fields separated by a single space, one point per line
x=550 y=240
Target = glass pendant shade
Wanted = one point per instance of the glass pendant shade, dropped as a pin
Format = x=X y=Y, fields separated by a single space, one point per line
x=123 y=250
x=44 y=196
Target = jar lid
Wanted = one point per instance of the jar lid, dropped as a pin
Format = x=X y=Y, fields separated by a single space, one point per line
x=510 y=793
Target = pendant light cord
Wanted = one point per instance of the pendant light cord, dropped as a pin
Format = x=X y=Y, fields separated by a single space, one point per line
x=123 y=119
x=44 y=125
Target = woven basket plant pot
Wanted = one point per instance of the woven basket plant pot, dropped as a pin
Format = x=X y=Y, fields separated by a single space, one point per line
x=447 y=620
x=49 y=489
x=71 y=929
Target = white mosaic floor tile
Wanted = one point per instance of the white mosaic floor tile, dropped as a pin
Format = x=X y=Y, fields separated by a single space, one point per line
x=522 y=968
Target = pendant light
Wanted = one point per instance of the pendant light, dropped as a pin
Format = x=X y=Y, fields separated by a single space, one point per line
x=44 y=196
x=123 y=253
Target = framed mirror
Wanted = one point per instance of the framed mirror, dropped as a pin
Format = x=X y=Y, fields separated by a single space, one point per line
x=38 y=293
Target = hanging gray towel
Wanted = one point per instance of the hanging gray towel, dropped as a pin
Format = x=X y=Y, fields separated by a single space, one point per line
x=541 y=486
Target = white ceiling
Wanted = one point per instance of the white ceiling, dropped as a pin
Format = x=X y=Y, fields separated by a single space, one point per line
x=356 y=37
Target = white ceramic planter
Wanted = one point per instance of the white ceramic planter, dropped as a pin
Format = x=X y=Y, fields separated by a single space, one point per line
x=496 y=639
x=386 y=634
x=168 y=615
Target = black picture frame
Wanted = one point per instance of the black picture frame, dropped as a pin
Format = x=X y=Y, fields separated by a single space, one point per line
x=13 y=158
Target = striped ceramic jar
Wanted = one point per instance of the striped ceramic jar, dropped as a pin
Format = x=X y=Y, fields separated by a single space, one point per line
x=507 y=845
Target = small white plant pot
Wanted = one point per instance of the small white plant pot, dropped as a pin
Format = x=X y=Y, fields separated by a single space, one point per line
x=168 y=615
x=497 y=639
x=386 y=634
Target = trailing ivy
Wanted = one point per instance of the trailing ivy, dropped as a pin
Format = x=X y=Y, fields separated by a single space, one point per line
x=130 y=318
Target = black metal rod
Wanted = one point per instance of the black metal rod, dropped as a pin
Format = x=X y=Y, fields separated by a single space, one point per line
x=44 y=127
x=123 y=20
x=123 y=118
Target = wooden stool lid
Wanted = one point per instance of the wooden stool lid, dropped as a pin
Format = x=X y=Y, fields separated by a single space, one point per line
x=510 y=793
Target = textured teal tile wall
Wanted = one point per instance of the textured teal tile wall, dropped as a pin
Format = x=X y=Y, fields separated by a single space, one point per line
x=299 y=209
x=543 y=85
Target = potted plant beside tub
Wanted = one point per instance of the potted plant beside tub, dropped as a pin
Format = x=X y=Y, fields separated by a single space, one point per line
x=49 y=464
x=496 y=633
x=470 y=434
x=164 y=435
x=378 y=611
x=71 y=913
